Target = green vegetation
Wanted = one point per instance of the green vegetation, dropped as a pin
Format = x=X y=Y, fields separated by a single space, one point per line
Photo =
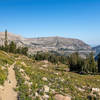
x=5 y=61
x=99 y=63
x=74 y=61
x=50 y=57
x=33 y=76
x=23 y=89
x=43 y=79
x=86 y=66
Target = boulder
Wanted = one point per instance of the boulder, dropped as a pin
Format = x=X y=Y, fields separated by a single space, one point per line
x=61 y=97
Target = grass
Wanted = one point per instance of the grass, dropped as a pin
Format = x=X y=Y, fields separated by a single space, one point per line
x=30 y=82
x=58 y=80
x=5 y=61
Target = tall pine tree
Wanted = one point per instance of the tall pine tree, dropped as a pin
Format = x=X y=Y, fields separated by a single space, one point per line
x=12 y=47
x=6 y=42
x=99 y=63
x=6 y=39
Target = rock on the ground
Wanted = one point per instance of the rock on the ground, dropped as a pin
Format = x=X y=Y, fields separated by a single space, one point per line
x=45 y=96
x=61 y=97
x=95 y=90
x=36 y=94
x=44 y=79
x=46 y=88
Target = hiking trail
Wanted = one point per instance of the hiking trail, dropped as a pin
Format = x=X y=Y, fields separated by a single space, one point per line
x=7 y=91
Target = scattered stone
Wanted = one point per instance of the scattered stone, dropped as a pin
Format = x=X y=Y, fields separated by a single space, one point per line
x=44 y=79
x=57 y=73
x=49 y=84
x=46 y=88
x=68 y=77
x=80 y=89
x=95 y=90
x=62 y=80
x=67 y=69
x=30 y=83
x=27 y=77
x=61 y=97
x=45 y=66
x=53 y=91
x=3 y=68
x=21 y=70
x=36 y=94
x=46 y=96
x=41 y=68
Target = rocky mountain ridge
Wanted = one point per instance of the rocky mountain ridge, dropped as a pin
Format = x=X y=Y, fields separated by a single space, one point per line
x=57 y=44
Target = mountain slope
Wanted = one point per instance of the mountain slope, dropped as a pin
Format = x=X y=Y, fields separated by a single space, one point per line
x=96 y=49
x=58 y=44
x=43 y=80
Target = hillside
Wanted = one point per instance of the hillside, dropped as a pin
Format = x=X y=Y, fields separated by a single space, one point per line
x=60 y=45
x=96 y=49
x=42 y=80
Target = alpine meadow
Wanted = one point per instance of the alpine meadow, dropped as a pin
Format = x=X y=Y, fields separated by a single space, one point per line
x=49 y=50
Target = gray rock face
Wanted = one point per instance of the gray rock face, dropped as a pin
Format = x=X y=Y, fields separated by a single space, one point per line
x=56 y=44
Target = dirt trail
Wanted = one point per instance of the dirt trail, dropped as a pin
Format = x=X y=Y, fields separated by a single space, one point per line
x=7 y=91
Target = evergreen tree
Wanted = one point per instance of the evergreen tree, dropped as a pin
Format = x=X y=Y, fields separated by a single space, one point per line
x=6 y=42
x=99 y=63
x=75 y=62
x=6 y=39
x=90 y=65
x=24 y=50
x=12 y=47
x=19 y=50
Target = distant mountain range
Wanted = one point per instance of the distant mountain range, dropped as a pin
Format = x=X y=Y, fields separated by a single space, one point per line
x=56 y=44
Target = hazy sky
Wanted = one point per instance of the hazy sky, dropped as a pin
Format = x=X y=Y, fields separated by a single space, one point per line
x=68 y=18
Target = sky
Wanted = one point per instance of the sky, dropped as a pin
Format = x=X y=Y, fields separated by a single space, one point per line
x=41 y=18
